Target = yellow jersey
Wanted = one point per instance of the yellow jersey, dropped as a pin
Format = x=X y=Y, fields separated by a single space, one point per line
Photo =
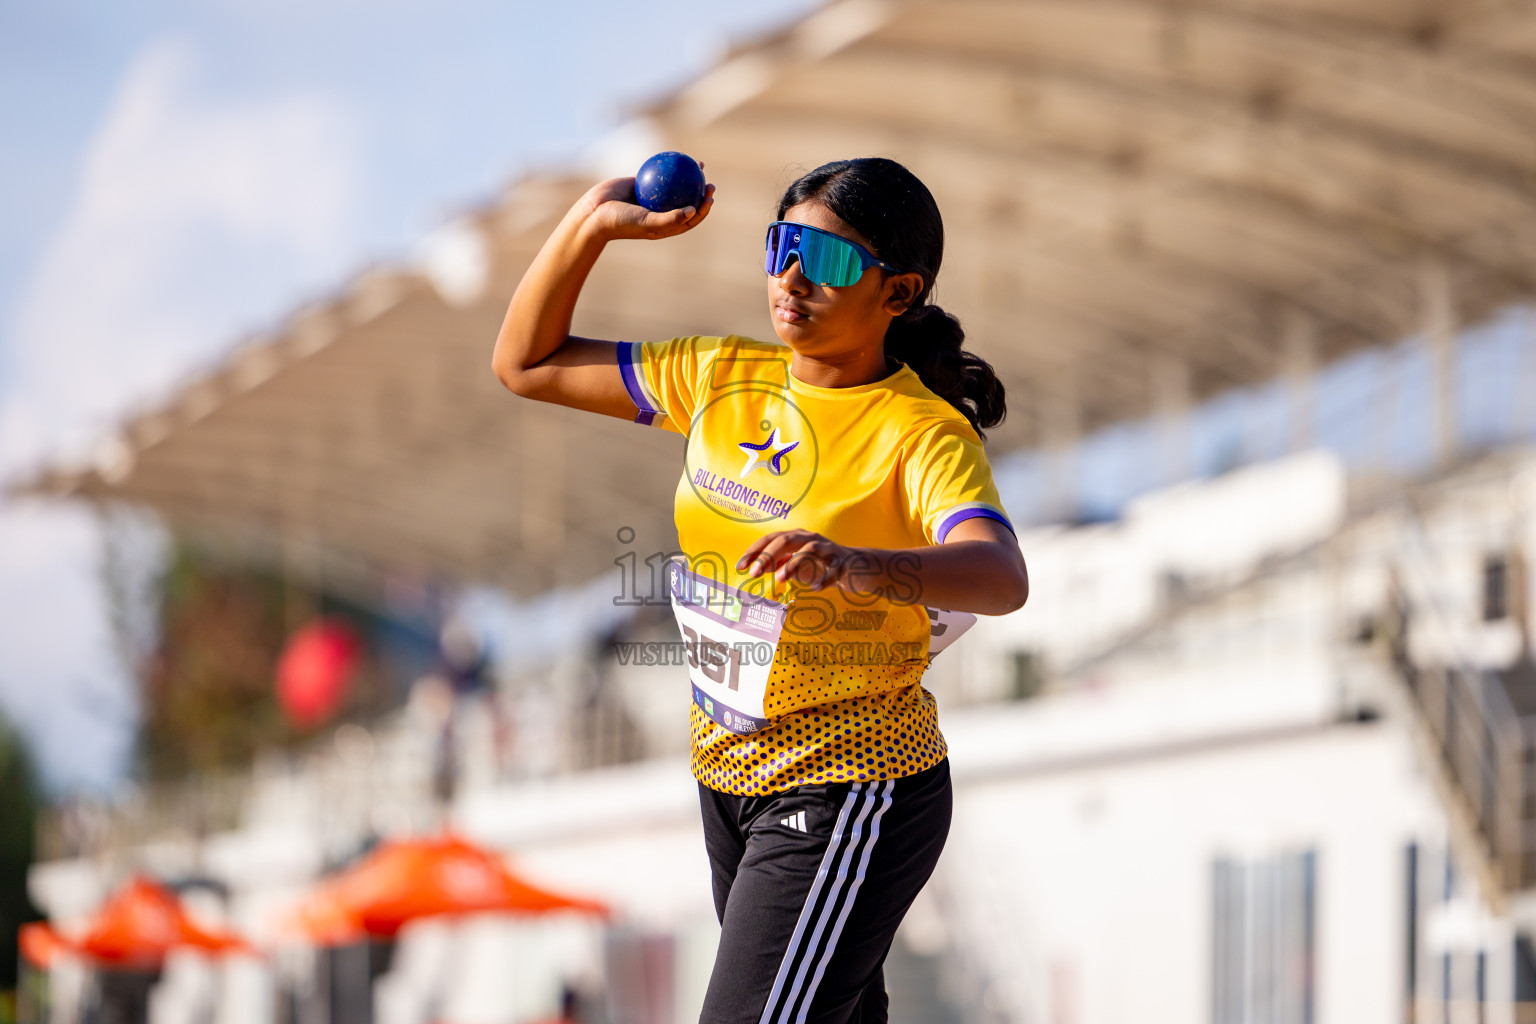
x=887 y=464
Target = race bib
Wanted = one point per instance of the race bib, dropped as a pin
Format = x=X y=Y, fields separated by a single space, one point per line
x=729 y=637
x=945 y=627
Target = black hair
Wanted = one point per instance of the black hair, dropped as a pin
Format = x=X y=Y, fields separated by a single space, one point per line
x=889 y=206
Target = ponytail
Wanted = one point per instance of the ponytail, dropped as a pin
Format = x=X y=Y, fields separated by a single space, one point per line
x=929 y=340
x=888 y=205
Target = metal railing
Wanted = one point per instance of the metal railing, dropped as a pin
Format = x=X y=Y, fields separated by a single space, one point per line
x=1486 y=747
x=1488 y=752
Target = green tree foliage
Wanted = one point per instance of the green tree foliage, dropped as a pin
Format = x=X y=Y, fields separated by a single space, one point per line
x=208 y=685
x=18 y=813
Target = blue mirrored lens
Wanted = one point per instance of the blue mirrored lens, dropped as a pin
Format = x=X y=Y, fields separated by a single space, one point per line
x=829 y=260
x=781 y=242
x=824 y=258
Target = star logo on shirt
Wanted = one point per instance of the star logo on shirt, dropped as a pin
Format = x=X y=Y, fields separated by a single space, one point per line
x=773 y=447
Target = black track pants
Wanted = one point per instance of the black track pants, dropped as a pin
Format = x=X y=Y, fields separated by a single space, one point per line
x=810 y=885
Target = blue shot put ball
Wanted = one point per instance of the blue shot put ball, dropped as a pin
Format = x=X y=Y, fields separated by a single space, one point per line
x=669 y=181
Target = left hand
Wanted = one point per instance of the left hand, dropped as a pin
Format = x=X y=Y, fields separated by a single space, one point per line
x=806 y=558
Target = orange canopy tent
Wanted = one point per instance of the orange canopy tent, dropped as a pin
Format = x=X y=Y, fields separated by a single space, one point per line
x=135 y=928
x=402 y=881
x=40 y=944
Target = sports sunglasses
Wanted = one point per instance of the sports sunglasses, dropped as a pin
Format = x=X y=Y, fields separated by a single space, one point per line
x=827 y=259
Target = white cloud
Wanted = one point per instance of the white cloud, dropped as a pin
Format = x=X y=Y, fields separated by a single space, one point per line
x=60 y=679
x=194 y=221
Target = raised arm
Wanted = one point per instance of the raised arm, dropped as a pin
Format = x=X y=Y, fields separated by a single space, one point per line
x=535 y=355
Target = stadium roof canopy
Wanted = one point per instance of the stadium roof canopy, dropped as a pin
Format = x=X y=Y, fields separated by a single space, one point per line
x=1146 y=203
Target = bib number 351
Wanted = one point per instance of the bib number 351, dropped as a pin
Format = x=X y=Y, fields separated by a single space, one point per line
x=730 y=637
x=719 y=662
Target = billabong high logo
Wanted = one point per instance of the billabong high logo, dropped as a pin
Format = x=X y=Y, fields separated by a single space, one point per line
x=772 y=449
x=760 y=425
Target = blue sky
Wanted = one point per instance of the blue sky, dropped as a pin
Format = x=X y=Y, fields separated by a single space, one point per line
x=180 y=175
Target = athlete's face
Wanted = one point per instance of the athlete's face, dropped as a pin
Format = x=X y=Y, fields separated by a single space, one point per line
x=836 y=323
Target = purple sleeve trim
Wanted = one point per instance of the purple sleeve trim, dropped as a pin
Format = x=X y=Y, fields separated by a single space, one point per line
x=647 y=412
x=959 y=516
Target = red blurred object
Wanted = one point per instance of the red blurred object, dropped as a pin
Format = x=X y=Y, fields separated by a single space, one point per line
x=315 y=671
x=402 y=881
x=325 y=920
x=40 y=944
x=136 y=927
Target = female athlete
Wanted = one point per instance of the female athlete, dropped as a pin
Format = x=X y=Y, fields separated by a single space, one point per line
x=835 y=490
